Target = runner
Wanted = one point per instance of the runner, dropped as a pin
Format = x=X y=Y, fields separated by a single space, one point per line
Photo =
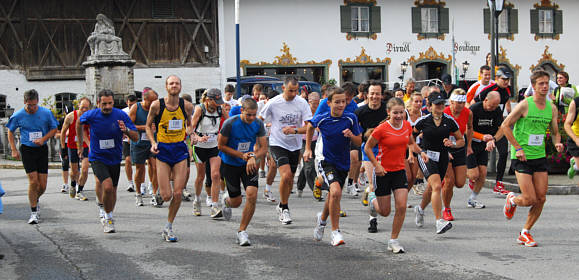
x=287 y=114
x=131 y=100
x=107 y=125
x=503 y=77
x=476 y=88
x=413 y=114
x=206 y=121
x=171 y=116
x=239 y=135
x=456 y=171
x=487 y=120
x=308 y=172
x=37 y=125
x=393 y=139
x=69 y=127
x=531 y=119
x=436 y=128
x=64 y=159
x=338 y=130
x=572 y=129
x=141 y=149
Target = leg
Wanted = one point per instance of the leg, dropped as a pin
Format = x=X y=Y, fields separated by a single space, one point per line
x=271 y=171
x=215 y=163
x=34 y=189
x=528 y=197
x=400 y=199
x=540 y=180
x=129 y=168
x=503 y=151
x=480 y=179
x=139 y=176
x=179 y=181
x=152 y=162
x=83 y=172
x=426 y=196
x=286 y=183
x=249 y=209
x=74 y=176
x=382 y=205
x=436 y=185
x=199 y=179
x=163 y=173
x=109 y=195
x=334 y=205
x=369 y=169
x=447 y=188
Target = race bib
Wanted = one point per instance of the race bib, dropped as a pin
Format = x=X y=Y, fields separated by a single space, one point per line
x=175 y=124
x=536 y=139
x=212 y=138
x=106 y=144
x=32 y=136
x=433 y=155
x=144 y=136
x=243 y=147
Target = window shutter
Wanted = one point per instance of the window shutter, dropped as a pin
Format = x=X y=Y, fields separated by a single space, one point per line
x=558 y=22
x=487 y=21
x=513 y=21
x=345 y=19
x=416 y=20
x=535 y=21
x=443 y=26
x=375 y=21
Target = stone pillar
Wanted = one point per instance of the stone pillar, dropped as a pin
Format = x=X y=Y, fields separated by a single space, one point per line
x=108 y=66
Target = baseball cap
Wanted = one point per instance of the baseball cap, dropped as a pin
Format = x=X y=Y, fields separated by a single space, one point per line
x=446 y=79
x=436 y=98
x=503 y=73
x=215 y=94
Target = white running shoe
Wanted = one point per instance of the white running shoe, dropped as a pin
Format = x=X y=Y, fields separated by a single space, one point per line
x=337 y=238
x=139 y=200
x=395 y=247
x=109 y=226
x=471 y=203
x=319 y=229
x=64 y=188
x=419 y=219
x=286 y=217
x=268 y=196
x=279 y=212
x=442 y=226
x=80 y=196
x=243 y=238
x=131 y=187
x=196 y=207
x=169 y=235
x=33 y=218
x=225 y=208
x=216 y=212
x=208 y=201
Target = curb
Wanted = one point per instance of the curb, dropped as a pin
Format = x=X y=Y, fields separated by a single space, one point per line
x=553 y=190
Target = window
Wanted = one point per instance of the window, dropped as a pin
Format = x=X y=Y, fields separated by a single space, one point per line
x=430 y=21
x=360 y=19
x=429 y=18
x=545 y=21
x=508 y=22
x=163 y=9
x=360 y=74
x=63 y=102
x=504 y=22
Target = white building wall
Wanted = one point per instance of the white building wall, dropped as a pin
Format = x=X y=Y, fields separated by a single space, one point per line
x=311 y=29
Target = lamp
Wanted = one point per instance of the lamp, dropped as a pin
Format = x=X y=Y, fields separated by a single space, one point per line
x=403 y=68
x=465 y=66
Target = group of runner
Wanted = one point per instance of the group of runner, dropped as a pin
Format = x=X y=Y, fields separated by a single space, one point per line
x=392 y=141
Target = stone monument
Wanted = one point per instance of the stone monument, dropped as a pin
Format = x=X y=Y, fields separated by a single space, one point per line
x=108 y=66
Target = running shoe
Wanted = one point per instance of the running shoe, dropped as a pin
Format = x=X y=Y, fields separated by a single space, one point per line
x=72 y=192
x=143 y=189
x=216 y=212
x=351 y=189
x=337 y=238
x=262 y=174
x=526 y=239
x=571 y=170
x=286 y=217
x=419 y=219
x=371 y=208
x=365 y=196
x=268 y=195
x=154 y=201
x=373 y=228
x=510 y=208
x=196 y=207
x=225 y=208
x=139 y=200
x=447 y=214
x=317 y=192
x=300 y=193
x=499 y=189
x=80 y=196
x=33 y=218
x=395 y=247
x=108 y=226
x=362 y=180
x=416 y=188
x=169 y=235
x=279 y=212
x=159 y=199
x=442 y=226
x=150 y=188
x=208 y=201
x=343 y=213
x=471 y=203
x=357 y=188
x=131 y=187
x=319 y=229
x=64 y=188
x=243 y=238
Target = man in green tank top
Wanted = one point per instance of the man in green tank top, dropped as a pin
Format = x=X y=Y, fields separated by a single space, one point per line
x=531 y=118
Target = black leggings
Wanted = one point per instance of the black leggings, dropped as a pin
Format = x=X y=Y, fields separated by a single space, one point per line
x=503 y=151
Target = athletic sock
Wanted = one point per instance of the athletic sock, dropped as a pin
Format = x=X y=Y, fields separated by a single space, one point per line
x=34 y=209
x=73 y=184
x=168 y=225
x=131 y=182
x=197 y=197
x=267 y=187
x=473 y=195
x=283 y=206
x=524 y=231
x=109 y=215
x=350 y=181
x=80 y=188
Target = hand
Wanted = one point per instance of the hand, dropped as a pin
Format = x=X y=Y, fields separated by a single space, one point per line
x=469 y=151
x=122 y=126
x=251 y=166
x=559 y=147
x=450 y=157
x=379 y=170
x=410 y=158
x=447 y=142
x=247 y=156
x=487 y=137
x=38 y=142
x=64 y=154
x=201 y=139
x=490 y=146
x=424 y=157
x=193 y=139
x=347 y=133
x=288 y=130
x=154 y=149
x=307 y=155
x=521 y=155
x=15 y=154
x=79 y=152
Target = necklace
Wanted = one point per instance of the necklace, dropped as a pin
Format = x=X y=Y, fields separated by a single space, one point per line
x=436 y=118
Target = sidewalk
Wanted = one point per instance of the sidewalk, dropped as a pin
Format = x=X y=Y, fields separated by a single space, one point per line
x=558 y=184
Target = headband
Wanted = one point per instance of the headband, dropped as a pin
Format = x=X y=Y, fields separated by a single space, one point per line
x=458 y=98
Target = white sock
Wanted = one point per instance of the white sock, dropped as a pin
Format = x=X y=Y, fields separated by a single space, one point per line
x=473 y=195
x=109 y=215
x=393 y=240
x=214 y=204
x=197 y=197
x=131 y=182
x=267 y=187
x=524 y=231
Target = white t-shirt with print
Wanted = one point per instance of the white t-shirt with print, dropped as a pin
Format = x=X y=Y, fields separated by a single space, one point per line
x=281 y=113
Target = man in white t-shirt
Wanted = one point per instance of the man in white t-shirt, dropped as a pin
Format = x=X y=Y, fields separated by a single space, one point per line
x=228 y=97
x=131 y=100
x=476 y=88
x=287 y=113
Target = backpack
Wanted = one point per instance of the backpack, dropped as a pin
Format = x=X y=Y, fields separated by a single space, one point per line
x=214 y=119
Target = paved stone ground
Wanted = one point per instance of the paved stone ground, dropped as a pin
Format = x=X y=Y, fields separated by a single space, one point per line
x=69 y=243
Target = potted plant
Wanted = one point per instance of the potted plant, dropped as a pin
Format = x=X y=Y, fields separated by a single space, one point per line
x=558 y=163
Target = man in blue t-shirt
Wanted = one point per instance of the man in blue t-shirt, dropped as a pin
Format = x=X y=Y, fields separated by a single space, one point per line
x=107 y=126
x=37 y=125
x=338 y=129
x=237 y=138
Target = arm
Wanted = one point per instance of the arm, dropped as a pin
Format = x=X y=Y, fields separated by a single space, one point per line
x=195 y=119
x=309 y=134
x=189 y=112
x=222 y=145
x=569 y=121
x=153 y=112
x=133 y=117
x=508 y=106
x=79 y=137
x=555 y=136
x=15 y=153
x=64 y=129
x=469 y=133
x=511 y=119
x=370 y=143
x=459 y=140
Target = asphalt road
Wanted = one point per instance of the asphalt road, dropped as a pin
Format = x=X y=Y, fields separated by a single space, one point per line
x=69 y=242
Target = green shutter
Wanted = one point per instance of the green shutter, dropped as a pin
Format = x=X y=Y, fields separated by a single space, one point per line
x=558 y=19
x=513 y=21
x=416 y=20
x=535 y=21
x=487 y=21
x=345 y=19
x=443 y=26
x=375 y=21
